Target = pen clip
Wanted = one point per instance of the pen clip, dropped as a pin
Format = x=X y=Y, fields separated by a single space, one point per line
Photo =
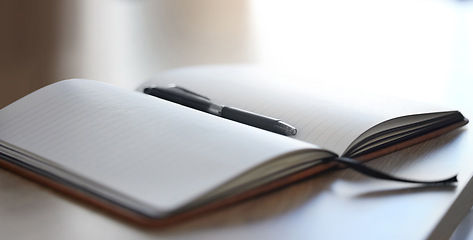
x=185 y=91
x=180 y=96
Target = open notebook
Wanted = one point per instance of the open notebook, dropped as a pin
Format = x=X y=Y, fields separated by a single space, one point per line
x=158 y=162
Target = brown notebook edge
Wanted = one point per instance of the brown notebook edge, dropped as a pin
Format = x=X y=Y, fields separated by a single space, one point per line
x=145 y=221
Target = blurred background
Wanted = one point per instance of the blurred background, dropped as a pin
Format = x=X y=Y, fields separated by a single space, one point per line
x=351 y=43
x=119 y=41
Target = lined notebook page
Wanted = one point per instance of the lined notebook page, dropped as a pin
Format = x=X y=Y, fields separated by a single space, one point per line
x=329 y=118
x=162 y=154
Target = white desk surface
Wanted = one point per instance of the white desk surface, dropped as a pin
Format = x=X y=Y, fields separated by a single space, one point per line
x=337 y=205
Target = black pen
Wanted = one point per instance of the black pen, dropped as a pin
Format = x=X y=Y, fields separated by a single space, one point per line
x=193 y=100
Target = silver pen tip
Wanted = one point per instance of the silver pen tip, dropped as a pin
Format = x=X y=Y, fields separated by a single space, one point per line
x=286 y=129
x=293 y=132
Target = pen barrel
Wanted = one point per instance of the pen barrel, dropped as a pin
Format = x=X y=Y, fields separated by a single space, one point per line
x=249 y=118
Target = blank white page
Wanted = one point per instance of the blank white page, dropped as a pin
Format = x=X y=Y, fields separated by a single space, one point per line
x=327 y=117
x=130 y=144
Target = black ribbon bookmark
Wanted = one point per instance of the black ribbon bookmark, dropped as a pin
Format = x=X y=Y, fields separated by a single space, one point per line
x=361 y=168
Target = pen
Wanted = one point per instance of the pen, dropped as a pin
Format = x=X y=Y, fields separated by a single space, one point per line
x=193 y=100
